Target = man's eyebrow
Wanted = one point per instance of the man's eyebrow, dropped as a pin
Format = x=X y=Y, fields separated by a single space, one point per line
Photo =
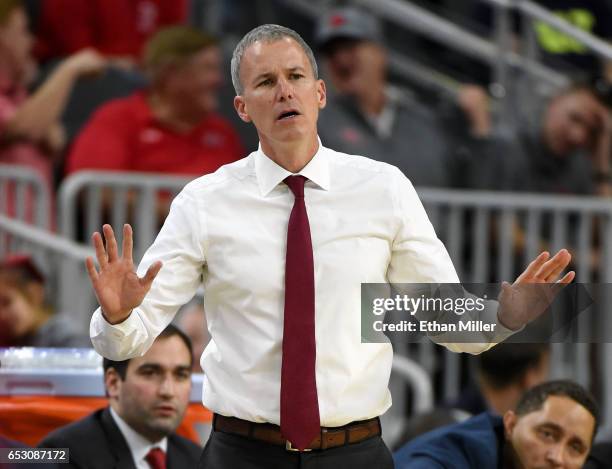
x=156 y=366
x=551 y=426
x=262 y=75
x=182 y=368
x=270 y=74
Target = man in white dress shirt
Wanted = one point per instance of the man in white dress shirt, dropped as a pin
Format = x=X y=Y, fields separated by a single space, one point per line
x=283 y=240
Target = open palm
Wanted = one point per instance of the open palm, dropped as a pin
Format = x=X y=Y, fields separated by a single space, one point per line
x=534 y=290
x=117 y=286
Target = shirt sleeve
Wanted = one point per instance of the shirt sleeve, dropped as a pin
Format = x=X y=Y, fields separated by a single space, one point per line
x=418 y=256
x=179 y=245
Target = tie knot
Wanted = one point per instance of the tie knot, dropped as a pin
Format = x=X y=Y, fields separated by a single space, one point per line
x=296 y=184
x=156 y=458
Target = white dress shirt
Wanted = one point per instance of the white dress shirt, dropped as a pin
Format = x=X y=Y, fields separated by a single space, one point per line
x=367 y=225
x=138 y=444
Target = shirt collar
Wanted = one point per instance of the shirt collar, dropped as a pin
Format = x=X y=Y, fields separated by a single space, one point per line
x=138 y=444
x=269 y=174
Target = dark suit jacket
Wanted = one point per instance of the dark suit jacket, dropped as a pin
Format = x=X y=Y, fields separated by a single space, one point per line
x=600 y=457
x=95 y=442
x=473 y=444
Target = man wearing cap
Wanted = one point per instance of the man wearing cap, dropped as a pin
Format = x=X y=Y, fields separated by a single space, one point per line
x=282 y=241
x=368 y=115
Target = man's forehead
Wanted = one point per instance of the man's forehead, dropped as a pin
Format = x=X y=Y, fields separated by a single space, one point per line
x=581 y=98
x=565 y=413
x=165 y=352
x=285 y=51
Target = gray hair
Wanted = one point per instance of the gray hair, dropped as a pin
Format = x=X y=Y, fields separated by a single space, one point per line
x=267 y=33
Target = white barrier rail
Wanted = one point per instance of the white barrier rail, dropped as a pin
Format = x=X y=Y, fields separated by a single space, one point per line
x=477 y=227
x=49 y=251
x=22 y=191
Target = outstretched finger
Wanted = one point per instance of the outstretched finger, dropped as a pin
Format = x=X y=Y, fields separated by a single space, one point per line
x=128 y=242
x=152 y=272
x=567 y=278
x=111 y=243
x=91 y=270
x=534 y=266
x=100 y=251
x=554 y=275
x=551 y=269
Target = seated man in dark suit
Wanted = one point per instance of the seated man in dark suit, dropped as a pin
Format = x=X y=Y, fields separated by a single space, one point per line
x=553 y=426
x=148 y=397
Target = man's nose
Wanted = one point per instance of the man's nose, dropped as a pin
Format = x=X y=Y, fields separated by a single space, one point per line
x=555 y=455
x=284 y=89
x=167 y=387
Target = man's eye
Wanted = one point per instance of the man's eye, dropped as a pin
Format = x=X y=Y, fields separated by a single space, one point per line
x=576 y=448
x=266 y=82
x=183 y=375
x=546 y=434
x=295 y=76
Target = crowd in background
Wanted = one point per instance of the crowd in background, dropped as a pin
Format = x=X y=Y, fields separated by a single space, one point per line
x=83 y=87
x=144 y=91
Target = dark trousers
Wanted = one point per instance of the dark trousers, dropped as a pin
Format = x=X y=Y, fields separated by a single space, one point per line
x=225 y=451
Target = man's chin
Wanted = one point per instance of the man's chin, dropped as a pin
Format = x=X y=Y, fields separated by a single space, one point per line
x=164 y=425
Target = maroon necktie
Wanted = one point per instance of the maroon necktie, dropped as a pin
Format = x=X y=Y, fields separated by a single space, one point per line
x=299 y=414
x=156 y=458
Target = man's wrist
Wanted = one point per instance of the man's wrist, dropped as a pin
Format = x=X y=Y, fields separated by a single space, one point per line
x=509 y=326
x=114 y=322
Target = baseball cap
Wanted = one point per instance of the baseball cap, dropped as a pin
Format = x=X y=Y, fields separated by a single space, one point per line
x=347 y=23
x=23 y=263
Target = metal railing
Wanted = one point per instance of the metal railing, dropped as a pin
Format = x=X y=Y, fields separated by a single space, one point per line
x=24 y=197
x=116 y=198
x=492 y=236
x=19 y=180
x=88 y=199
x=479 y=230
x=49 y=250
x=489 y=235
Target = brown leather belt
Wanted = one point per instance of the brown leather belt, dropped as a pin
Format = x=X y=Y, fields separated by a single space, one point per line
x=330 y=437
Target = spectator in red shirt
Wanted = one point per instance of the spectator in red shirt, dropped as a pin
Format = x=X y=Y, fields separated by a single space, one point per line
x=170 y=128
x=30 y=133
x=116 y=28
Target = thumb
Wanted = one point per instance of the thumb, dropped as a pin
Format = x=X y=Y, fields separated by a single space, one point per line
x=152 y=272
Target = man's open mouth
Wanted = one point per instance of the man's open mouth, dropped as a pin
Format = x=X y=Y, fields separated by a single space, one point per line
x=288 y=115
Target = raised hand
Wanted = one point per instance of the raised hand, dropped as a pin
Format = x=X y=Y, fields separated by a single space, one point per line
x=534 y=290
x=117 y=286
x=86 y=62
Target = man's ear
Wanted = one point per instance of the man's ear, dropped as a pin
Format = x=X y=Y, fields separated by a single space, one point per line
x=112 y=383
x=241 y=108
x=321 y=94
x=510 y=419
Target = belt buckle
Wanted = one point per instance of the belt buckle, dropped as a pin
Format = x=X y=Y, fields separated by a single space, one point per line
x=289 y=447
